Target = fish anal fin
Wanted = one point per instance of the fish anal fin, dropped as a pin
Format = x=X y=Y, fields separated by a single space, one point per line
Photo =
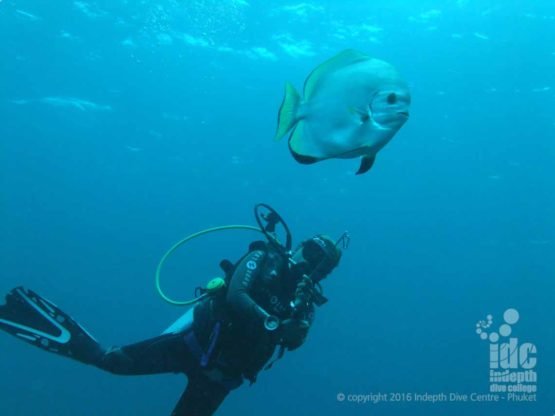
x=287 y=115
x=366 y=164
x=295 y=145
x=342 y=59
x=304 y=160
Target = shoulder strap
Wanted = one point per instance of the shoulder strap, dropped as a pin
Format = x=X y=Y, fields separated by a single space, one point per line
x=229 y=267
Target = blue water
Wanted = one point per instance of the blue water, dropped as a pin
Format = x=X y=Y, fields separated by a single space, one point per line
x=126 y=125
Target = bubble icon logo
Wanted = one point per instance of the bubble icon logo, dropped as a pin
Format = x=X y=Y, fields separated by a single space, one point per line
x=511 y=363
x=510 y=317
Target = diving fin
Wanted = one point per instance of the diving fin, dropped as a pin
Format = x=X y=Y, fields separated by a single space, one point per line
x=39 y=322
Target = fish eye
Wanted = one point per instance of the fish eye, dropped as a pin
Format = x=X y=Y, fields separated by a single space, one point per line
x=392 y=98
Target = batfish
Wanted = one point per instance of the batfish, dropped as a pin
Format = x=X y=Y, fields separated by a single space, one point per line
x=352 y=106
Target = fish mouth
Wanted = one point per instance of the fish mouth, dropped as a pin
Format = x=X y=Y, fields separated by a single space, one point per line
x=404 y=114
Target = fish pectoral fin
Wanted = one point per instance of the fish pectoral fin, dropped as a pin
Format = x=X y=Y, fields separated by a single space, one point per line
x=362 y=115
x=366 y=164
x=287 y=116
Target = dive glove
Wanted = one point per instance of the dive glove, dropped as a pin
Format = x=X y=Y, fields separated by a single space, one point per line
x=292 y=333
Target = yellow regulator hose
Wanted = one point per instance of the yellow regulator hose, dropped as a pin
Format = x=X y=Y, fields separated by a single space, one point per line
x=185 y=241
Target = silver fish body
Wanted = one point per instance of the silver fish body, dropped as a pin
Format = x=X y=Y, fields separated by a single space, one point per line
x=352 y=106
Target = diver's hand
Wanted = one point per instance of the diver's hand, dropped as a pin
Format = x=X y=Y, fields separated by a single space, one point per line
x=293 y=332
x=301 y=304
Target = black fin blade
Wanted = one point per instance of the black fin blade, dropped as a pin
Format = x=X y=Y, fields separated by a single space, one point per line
x=39 y=322
x=366 y=164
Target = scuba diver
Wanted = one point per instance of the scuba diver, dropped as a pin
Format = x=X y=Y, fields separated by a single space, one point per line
x=266 y=304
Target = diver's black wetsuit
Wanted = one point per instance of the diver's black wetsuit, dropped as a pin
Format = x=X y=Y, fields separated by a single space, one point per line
x=227 y=342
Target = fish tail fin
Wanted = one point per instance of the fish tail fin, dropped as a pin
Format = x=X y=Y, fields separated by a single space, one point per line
x=287 y=116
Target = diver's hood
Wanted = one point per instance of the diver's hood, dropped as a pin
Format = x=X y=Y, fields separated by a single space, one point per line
x=316 y=257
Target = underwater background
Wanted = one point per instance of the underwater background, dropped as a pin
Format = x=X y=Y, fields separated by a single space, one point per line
x=126 y=125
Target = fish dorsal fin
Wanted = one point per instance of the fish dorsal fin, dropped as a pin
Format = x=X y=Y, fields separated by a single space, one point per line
x=342 y=59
